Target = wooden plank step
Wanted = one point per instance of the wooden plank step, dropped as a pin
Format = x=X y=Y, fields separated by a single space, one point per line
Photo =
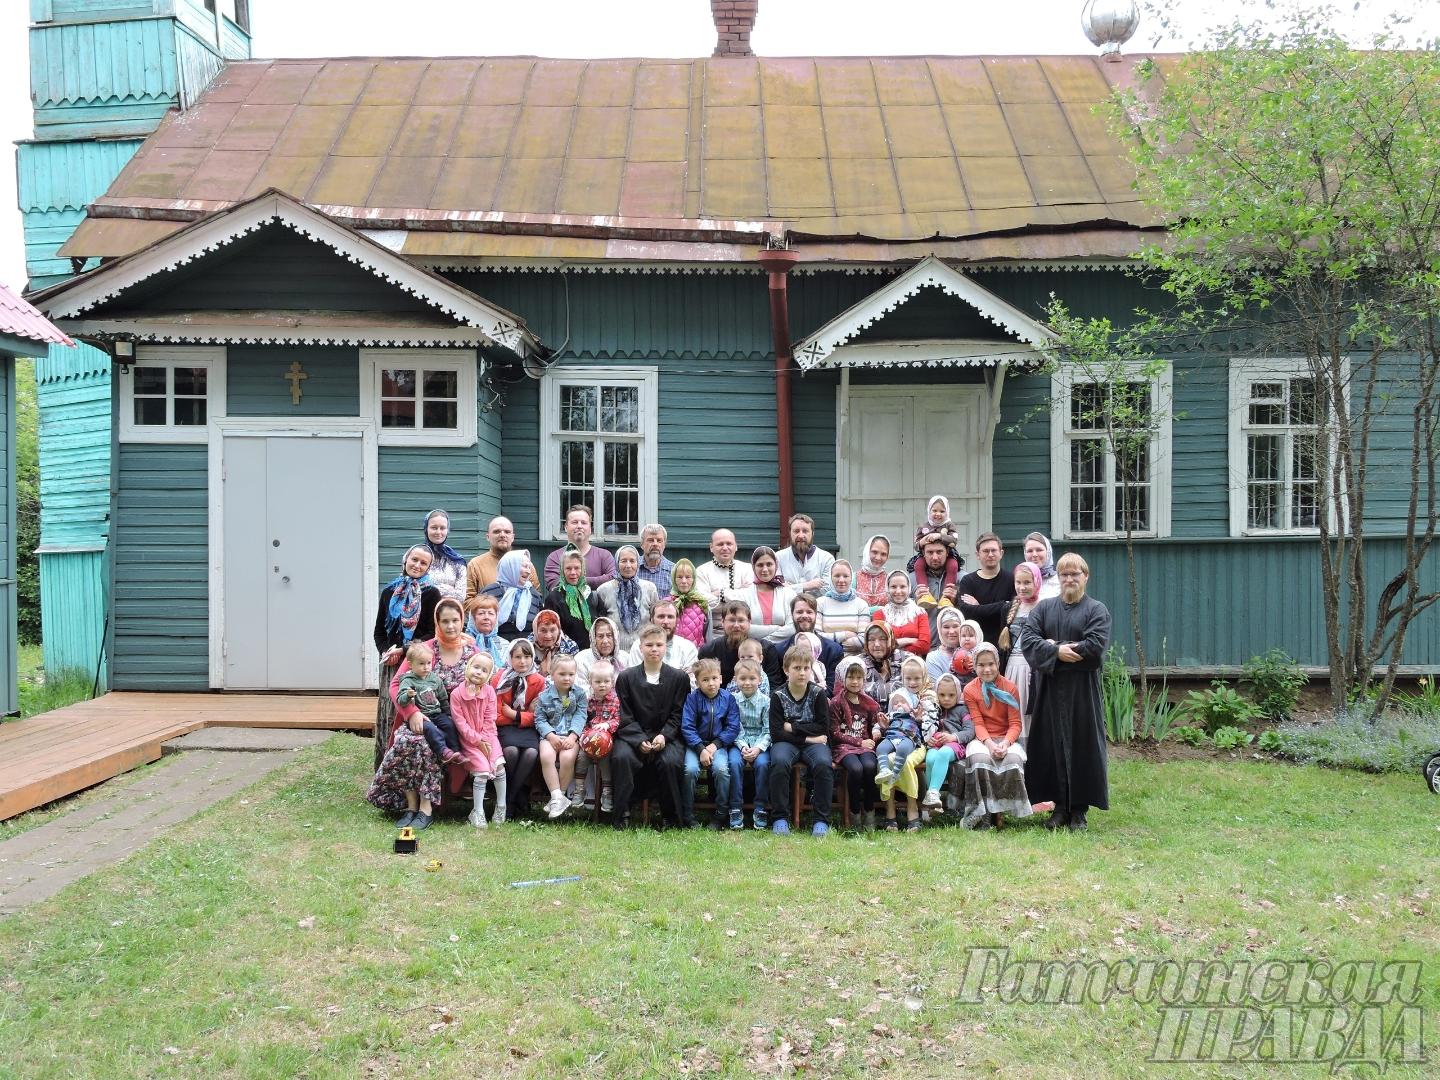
x=59 y=753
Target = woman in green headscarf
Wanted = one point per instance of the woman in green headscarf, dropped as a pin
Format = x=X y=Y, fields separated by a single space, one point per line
x=573 y=600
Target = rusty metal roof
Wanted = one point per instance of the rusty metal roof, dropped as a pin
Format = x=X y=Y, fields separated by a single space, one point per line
x=19 y=320
x=709 y=150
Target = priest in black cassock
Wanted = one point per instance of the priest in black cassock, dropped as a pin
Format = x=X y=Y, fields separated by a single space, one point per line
x=1064 y=643
x=648 y=743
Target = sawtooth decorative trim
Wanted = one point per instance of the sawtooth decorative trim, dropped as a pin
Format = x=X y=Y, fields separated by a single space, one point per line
x=107 y=330
x=817 y=351
x=81 y=294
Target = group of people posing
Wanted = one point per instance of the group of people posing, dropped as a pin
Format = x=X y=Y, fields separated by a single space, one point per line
x=926 y=688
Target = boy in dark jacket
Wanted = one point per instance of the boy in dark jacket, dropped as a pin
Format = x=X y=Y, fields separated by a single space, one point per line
x=709 y=725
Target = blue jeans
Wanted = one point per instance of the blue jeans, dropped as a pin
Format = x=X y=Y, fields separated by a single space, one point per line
x=719 y=782
x=737 y=780
x=900 y=746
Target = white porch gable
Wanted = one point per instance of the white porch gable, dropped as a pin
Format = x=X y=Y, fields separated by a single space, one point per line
x=827 y=348
x=475 y=317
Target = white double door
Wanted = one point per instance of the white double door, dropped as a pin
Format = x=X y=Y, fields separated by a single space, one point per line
x=293 y=561
x=899 y=445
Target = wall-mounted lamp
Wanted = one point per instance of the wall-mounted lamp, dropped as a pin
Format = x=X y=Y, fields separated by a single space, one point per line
x=124 y=351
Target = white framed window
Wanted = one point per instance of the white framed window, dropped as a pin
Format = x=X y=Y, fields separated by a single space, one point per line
x=598 y=435
x=170 y=393
x=420 y=397
x=1276 y=421
x=1095 y=491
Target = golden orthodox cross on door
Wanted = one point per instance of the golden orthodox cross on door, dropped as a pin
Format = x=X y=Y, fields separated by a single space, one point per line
x=295 y=376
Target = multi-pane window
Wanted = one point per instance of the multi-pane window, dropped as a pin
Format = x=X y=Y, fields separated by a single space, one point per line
x=420 y=398
x=1108 y=443
x=1275 y=432
x=601 y=449
x=170 y=393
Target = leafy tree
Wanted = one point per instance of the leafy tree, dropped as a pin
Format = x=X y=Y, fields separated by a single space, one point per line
x=1302 y=177
x=1122 y=366
x=27 y=502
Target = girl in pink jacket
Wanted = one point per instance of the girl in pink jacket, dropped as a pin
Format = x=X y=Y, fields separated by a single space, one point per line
x=472 y=705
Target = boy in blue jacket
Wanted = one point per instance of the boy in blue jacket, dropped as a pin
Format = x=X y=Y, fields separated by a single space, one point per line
x=710 y=724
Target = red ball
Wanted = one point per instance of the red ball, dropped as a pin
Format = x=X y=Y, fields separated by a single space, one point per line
x=595 y=742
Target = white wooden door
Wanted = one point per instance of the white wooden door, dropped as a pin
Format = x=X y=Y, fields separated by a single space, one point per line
x=293 y=557
x=899 y=445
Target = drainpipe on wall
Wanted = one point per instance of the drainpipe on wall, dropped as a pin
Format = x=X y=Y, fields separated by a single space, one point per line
x=778 y=263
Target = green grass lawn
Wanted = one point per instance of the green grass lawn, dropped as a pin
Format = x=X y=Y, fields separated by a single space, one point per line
x=40 y=692
x=276 y=935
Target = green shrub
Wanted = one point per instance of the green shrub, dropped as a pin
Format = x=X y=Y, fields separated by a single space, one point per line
x=1220 y=706
x=1269 y=741
x=1118 y=697
x=1392 y=742
x=1191 y=736
x=1231 y=738
x=1275 y=681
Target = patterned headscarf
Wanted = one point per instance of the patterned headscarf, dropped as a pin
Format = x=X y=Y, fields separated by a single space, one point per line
x=627 y=592
x=402 y=612
x=990 y=690
x=689 y=598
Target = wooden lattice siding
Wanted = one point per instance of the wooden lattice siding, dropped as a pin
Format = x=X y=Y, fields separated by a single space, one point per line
x=160 y=627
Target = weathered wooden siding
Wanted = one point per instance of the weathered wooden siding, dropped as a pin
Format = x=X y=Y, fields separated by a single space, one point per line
x=160 y=636
x=272 y=269
x=122 y=75
x=9 y=646
x=1209 y=603
x=256 y=384
x=73 y=389
x=73 y=393
x=56 y=181
x=74 y=598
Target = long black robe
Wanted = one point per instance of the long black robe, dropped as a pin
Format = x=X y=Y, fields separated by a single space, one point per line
x=648 y=710
x=1067 y=735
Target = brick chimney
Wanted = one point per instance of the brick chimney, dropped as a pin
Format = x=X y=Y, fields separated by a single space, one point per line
x=734 y=19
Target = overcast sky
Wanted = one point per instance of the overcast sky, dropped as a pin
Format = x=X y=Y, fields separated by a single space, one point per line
x=645 y=28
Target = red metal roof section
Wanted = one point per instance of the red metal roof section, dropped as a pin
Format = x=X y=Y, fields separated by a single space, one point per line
x=19 y=319
x=879 y=149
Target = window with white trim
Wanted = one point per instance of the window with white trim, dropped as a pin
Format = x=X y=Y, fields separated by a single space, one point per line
x=1276 y=423
x=424 y=397
x=170 y=393
x=598 y=449
x=1102 y=482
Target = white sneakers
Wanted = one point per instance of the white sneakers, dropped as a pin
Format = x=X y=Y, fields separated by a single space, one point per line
x=558 y=804
x=932 y=798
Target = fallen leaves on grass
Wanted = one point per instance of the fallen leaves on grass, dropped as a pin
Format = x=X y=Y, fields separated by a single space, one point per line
x=307 y=923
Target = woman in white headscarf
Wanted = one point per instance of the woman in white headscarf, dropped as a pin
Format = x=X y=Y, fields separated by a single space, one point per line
x=871 y=572
x=519 y=602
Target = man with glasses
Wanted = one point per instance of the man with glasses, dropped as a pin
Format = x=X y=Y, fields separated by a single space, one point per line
x=1064 y=642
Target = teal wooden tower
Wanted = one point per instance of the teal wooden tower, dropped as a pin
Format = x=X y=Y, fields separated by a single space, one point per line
x=103 y=73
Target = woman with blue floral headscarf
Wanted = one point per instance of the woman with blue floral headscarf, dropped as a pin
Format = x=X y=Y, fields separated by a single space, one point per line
x=447 y=567
x=519 y=601
x=406 y=614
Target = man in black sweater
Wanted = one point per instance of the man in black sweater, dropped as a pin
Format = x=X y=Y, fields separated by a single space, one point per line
x=735 y=627
x=648 y=744
x=987 y=591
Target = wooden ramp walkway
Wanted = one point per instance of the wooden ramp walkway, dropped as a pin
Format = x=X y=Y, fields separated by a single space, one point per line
x=59 y=753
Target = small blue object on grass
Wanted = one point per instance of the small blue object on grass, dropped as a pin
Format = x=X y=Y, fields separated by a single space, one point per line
x=820 y=829
x=543 y=881
x=781 y=827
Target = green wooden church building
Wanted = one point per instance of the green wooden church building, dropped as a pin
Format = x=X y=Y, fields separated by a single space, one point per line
x=338 y=293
